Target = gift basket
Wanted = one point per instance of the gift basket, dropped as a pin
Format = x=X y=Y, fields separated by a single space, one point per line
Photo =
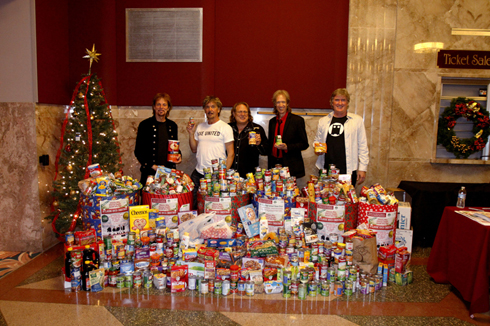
x=105 y=200
x=169 y=191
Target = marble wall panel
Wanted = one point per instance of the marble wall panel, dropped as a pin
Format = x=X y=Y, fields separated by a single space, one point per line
x=426 y=172
x=19 y=204
x=49 y=121
x=372 y=13
x=372 y=31
x=414 y=109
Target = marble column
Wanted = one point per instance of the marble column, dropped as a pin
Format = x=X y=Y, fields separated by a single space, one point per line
x=19 y=196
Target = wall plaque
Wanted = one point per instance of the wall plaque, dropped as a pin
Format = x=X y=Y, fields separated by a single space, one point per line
x=458 y=59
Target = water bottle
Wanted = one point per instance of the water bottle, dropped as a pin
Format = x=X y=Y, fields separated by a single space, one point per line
x=461 y=198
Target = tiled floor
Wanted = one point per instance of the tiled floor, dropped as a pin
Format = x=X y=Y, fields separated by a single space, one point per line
x=34 y=295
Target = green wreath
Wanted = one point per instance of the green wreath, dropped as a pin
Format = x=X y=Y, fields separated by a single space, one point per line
x=471 y=110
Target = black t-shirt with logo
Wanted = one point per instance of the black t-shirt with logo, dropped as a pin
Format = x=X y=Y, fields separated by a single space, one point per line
x=162 y=143
x=336 y=145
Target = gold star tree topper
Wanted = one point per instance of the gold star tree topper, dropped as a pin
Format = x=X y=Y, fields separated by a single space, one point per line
x=92 y=56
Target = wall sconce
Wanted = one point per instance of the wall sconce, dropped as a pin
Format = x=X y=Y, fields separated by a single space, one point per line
x=470 y=32
x=428 y=47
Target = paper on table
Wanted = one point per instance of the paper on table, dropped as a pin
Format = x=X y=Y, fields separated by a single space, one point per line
x=480 y=217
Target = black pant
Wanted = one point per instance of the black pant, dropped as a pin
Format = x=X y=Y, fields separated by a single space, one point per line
x=195 y=177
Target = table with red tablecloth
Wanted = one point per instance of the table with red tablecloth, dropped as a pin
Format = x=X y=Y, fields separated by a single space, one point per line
x=461 y=256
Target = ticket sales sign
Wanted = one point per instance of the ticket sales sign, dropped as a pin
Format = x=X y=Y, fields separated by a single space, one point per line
x=463 y=59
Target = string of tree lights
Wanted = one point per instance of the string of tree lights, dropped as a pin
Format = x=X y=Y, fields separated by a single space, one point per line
x=88 y=136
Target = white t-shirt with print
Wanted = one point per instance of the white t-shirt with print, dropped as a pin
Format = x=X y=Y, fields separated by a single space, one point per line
x=212 y=139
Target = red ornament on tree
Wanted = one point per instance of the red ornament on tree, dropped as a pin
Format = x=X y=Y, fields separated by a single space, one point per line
x=68 y=148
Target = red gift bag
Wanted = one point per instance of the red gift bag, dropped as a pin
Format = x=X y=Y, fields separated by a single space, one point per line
x=381 y=219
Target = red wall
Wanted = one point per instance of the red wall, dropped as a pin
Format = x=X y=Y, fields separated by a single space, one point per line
x=53 y=66
x=250 y=49
x=263 y=46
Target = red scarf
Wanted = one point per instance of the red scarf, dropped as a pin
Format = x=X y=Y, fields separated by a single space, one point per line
x=279 y=131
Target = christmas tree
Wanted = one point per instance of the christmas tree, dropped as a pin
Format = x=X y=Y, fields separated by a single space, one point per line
x=88 y=136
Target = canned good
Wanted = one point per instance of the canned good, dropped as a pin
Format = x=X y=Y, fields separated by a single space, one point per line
x=199 y=279
x=192 y=282
x=363 y=286
x=137 y=280
x=131 y=238
x=325 y=288
x=204 y=287
x=233 y=287
x=250 y=288
x=128 y=280
x=339 y=288
x=120 y=281
x=225 y=288
x=304 y=275
x=278 y=139
x=294 y=287
x=312 y=288
x=331 y=274
x=287 y=277
x=116 y=264
x=252 y=138
x=217 y=287
x=147 y=279
x=341 y=274
x=302 y=291
x=378 y=282
x=349 y=288
x=372 y=284
x=241 y=287
x=286 y=290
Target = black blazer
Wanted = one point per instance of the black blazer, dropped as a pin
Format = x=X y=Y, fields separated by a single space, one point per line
x=147 y=144
x=247 y=157
x=294 y=136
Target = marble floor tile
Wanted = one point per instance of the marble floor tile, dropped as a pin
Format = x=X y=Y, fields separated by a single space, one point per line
x=137 y=317
x=38 y=313
x=248 y=319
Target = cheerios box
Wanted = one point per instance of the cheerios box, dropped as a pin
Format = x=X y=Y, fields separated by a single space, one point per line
x=139 y=218
x=404 y=215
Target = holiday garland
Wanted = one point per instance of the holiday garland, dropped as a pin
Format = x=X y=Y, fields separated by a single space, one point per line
x=472 y=111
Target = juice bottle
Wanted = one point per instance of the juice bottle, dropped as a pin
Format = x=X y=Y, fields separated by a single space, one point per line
x=68 y=262
x=91 y=255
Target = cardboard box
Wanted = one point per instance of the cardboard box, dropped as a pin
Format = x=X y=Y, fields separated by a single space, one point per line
x=404 y=238
x=400 y=194
x=404 y=215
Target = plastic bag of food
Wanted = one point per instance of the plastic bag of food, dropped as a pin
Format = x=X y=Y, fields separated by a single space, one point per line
x=216 y=230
